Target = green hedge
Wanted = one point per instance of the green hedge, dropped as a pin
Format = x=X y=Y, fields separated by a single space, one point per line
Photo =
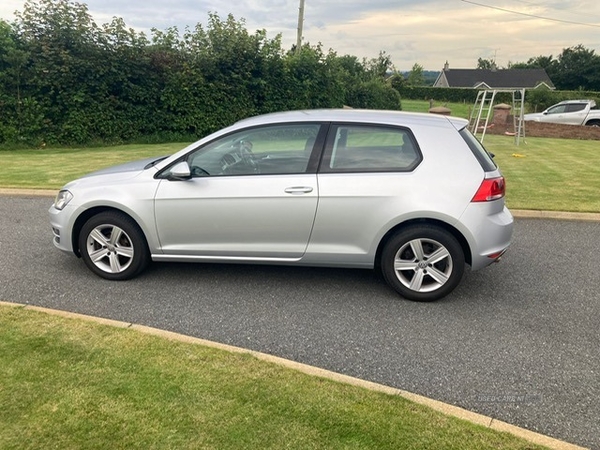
x=65 y=80
x=453 y=95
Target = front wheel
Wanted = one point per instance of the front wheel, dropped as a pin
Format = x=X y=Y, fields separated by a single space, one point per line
x=423 y=263
x=113 y=246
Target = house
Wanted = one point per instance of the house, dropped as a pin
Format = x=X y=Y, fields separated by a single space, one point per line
x=493 y=78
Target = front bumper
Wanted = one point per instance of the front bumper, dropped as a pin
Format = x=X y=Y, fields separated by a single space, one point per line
x=60 y=221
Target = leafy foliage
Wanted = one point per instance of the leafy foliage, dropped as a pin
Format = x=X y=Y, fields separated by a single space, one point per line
x=576 y=68
x=486 y=64
x=416 y=76
x=66 y=80
x=456 y=95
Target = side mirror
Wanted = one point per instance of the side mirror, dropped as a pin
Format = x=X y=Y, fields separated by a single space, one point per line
x=180 y=172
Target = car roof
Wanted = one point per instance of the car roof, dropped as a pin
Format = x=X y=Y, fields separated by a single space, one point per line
x=575 y=101
x=356 y=115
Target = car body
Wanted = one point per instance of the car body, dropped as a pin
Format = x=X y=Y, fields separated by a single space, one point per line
x=413 y=194
x=568 y=112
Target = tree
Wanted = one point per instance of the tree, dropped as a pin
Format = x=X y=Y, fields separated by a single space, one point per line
x=487 y=64
x=380 y=66
x=541 y=62
x=576 y=68
x=397 y=81
x=415 y=76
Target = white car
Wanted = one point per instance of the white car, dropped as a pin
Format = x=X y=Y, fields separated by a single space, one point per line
x=414 y=195
x=569 y=112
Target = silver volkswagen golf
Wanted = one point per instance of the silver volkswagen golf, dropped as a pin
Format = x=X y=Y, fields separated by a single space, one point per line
x=413 y=195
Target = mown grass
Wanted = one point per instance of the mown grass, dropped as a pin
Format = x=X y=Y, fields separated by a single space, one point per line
x=51 y=168
x=549 y=174
x=71 y=384
x=542 y=174
x=458 y=109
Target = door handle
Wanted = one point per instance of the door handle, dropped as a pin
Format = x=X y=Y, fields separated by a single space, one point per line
x=298 y=190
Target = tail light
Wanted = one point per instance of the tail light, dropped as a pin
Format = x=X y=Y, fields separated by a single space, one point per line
x=490 y=189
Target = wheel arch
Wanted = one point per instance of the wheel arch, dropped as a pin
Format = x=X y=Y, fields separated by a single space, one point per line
x=86 y=215
x=428 y=221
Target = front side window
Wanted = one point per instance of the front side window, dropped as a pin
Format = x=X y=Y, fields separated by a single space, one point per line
x=275 y=149
x=370 y=148
x=559 y=109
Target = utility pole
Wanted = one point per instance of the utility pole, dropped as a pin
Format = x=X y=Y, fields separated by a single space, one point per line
x=300 y=25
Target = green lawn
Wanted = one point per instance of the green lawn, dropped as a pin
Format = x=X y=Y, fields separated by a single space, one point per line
x=70 y=384
x=549 y=174
x=542 y=174
x=51 y=168
x=458 y=109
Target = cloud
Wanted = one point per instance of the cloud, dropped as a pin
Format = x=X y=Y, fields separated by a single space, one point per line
x=427 y=32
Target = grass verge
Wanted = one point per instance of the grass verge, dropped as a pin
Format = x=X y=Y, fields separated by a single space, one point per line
x=71 y=384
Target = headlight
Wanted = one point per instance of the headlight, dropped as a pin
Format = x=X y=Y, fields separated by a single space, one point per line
x=62 y=199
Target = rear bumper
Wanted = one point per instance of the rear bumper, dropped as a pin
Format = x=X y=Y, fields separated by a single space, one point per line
x=490 y=228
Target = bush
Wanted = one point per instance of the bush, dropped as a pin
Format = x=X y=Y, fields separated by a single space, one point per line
x=373 y=94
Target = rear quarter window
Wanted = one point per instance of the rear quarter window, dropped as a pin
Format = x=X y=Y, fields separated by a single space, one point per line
x=482 y=155
x=370 y=148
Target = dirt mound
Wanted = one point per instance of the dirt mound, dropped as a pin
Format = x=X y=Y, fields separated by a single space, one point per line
x=550 y=130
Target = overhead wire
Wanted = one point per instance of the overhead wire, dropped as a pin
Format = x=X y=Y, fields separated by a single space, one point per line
x=532 y=15
x=563 y=10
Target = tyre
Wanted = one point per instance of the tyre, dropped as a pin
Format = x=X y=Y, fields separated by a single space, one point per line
x=113 y=246
x=423 y=263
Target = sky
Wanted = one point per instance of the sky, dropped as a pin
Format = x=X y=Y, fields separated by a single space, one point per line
x=424 y=32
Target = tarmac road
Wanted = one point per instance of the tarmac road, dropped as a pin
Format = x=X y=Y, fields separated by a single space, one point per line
x=518 y=341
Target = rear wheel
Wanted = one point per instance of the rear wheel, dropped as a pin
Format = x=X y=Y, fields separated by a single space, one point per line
x=423 y=263
x=113 y=246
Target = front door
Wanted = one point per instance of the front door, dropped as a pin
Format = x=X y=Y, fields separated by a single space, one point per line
x=251 y=196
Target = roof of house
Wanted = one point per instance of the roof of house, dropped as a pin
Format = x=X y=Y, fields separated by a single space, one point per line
x=494 y=79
